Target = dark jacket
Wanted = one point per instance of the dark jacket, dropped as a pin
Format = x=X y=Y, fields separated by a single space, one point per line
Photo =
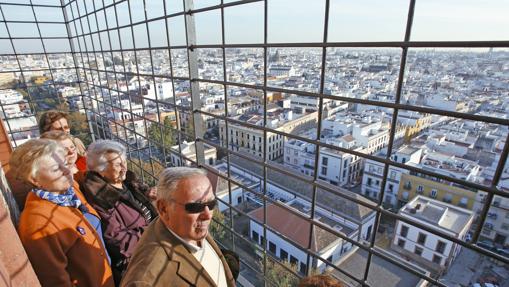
x=161 y=260
x=122 y=219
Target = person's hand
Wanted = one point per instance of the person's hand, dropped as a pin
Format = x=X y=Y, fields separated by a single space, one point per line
x=152 y=193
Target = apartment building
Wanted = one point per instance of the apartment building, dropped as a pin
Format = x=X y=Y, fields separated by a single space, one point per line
x=373 y=174
x=335 y=167
x=425 y=248
x=188 y=152
x=249 y=140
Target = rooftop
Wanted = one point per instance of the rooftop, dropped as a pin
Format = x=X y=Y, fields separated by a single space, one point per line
x=380 y=270
x=327 y=200
x=295 y=227
x=442 y=215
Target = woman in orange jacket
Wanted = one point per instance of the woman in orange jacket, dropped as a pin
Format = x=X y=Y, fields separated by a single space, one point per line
x=60 y=231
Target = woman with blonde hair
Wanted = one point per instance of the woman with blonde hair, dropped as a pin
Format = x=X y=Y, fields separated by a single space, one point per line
x=58 y=228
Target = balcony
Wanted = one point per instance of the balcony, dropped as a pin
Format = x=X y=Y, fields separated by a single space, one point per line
x=153 y=74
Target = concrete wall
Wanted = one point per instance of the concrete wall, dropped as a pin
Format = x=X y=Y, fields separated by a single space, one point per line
x=15 y=268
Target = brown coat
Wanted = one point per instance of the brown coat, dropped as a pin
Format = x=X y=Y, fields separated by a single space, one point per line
x=161 y=259
x=62 y=245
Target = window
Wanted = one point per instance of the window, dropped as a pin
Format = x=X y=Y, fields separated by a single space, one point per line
x=369 y=181
x=293 y=260
x=463 y=202
x=437 y=259
x=404 y=231
x=303 y=268
x=420 y=189
x=283 y=254
x=255 y=236
x=421 y=239
x=325 y=160
x=324 y=170
x=272 y=247
x=440 y=248
x=433 y=193
x=418 y=250
x=401 y=243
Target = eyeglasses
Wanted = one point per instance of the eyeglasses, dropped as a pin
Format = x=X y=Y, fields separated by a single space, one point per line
x=197 y=207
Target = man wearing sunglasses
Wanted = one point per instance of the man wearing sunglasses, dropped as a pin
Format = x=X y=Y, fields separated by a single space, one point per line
x=176 y=249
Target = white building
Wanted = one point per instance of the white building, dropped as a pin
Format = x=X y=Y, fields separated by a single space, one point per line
x=10 y=97
x=368 y=129
x=373 y=174
x=496 y=226
x=423 y=247
x=280 y=71
x=347 y=217
x=329 y=246
x=334 y=166
x=303 y=104
x=188 y=151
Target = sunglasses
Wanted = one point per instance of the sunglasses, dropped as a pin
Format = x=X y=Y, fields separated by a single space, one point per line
x=198 y=207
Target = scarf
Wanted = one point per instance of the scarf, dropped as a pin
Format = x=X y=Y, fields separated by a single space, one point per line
x=67 y=199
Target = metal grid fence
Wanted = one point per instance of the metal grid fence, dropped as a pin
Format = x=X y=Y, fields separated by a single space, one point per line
x=108 y=45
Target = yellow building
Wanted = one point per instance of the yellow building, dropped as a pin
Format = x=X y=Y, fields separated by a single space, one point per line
x=40 y=80
x=410 y=186
x=424 y=121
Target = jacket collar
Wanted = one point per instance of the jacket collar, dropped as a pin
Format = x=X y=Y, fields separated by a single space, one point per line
x=103 y=193
x=188 y=267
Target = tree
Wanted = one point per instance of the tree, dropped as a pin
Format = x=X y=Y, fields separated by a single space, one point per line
x=164 y=138
x=217 y=229
x=278 y=276
x=143 y=169
x=78 y=123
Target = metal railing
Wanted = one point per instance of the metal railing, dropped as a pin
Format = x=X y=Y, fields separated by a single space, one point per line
x=110 y=55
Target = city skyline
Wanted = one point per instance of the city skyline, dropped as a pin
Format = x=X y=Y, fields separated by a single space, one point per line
x=369 y=21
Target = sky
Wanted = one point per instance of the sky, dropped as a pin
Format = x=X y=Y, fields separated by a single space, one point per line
x=288 y=21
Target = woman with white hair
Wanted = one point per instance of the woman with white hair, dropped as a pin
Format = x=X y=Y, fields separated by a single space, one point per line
x=61 y=233
x=119 y=199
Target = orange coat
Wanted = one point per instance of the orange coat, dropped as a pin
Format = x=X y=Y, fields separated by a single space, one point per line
x=63 y=247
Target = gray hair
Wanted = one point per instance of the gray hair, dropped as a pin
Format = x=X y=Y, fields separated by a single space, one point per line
x=96 y=154
x=169 y=178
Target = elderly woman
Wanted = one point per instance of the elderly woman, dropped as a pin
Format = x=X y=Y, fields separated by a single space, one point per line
x=58 y=121
x=60 y=232
x=120 y=202
x=21 y=188
x=66 y=142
